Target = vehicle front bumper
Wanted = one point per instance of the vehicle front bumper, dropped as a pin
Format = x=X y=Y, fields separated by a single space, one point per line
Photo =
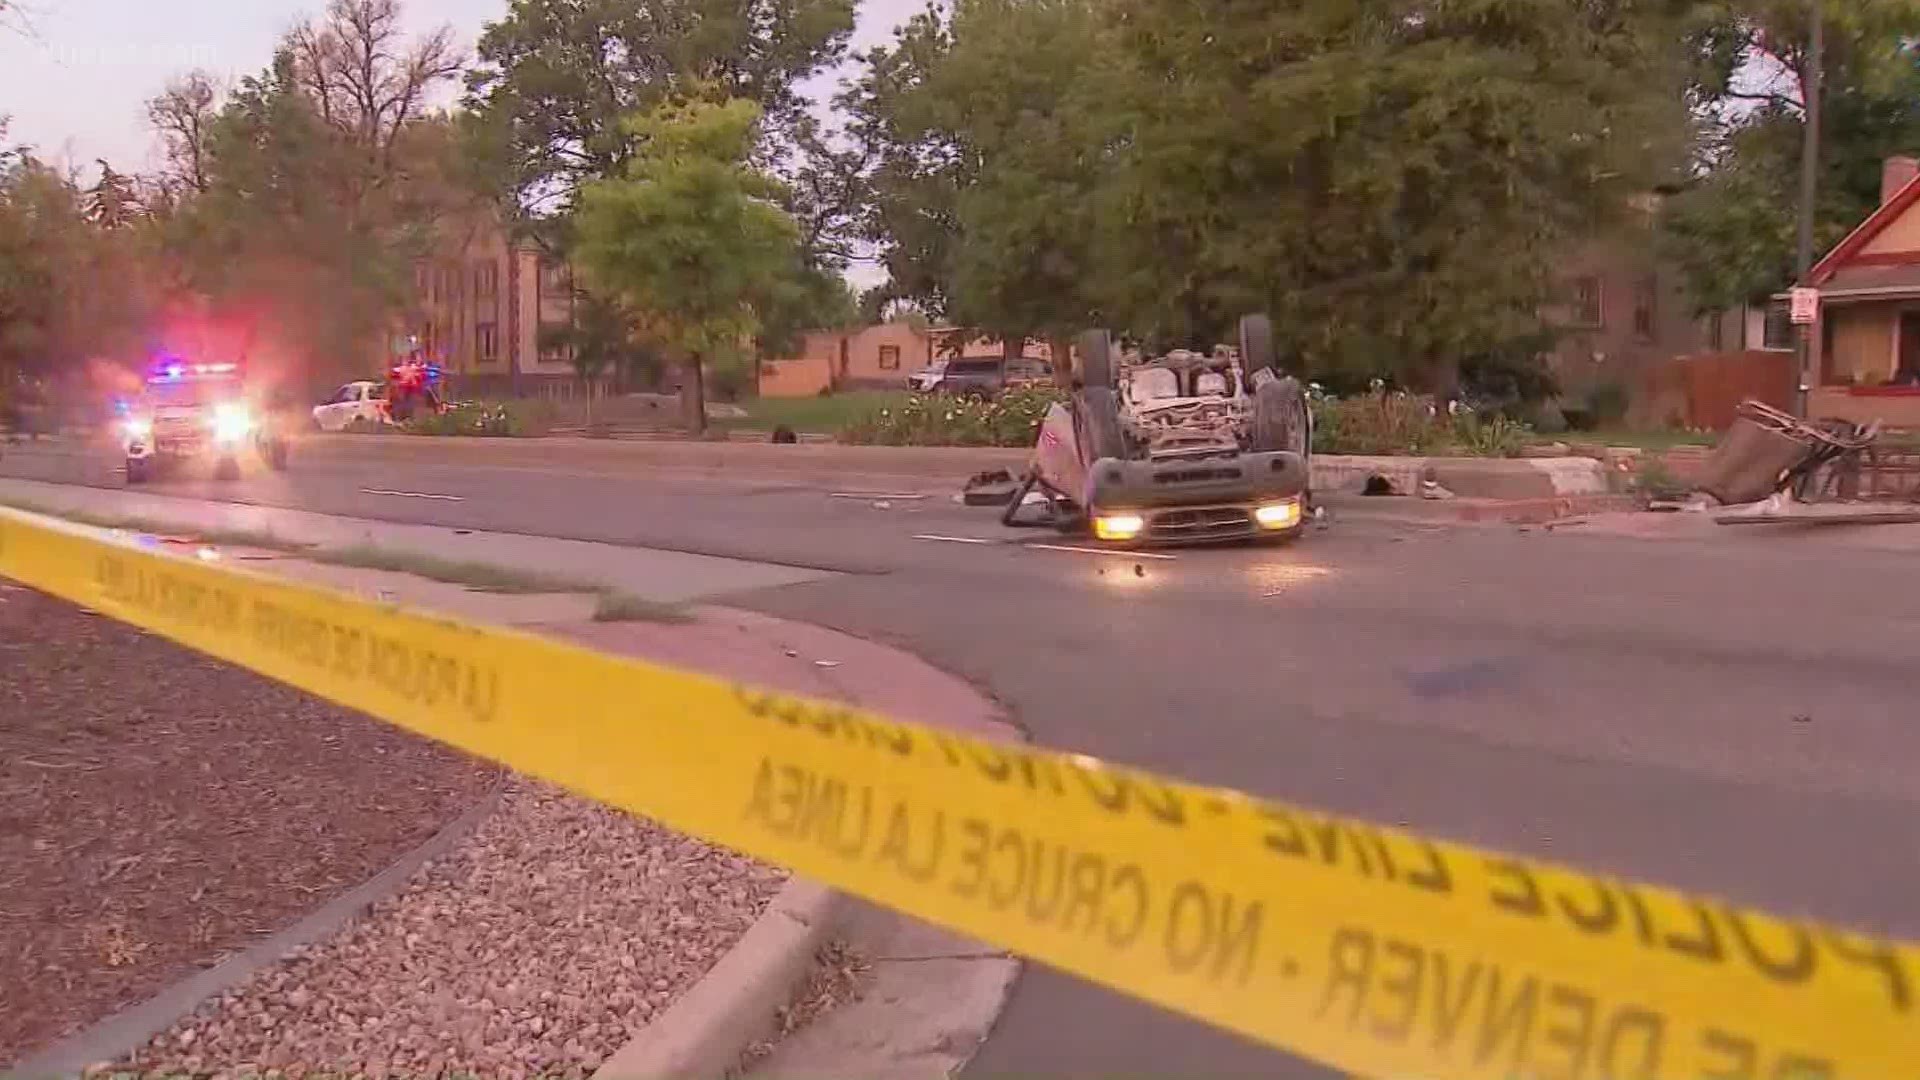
x=1201 y=500
x=183 y=445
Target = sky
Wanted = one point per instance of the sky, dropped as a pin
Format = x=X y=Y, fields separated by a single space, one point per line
x=75 y=85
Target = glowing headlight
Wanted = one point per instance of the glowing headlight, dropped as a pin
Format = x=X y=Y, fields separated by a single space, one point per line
x=1118 y=526
x=231 y=423
x=138 y=428
x=1281 y=515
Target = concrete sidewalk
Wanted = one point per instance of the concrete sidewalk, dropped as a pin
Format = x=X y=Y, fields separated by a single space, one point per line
x=665 y=577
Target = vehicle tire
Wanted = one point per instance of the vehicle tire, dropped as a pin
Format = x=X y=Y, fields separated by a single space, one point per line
x=137 y=471
x=1280 y=417
x=1096 y=359
x=1097 y=413
x=227 y=468
x=1256 y=344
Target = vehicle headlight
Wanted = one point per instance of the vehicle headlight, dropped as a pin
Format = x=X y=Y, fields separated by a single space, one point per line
x=137 y=428
x=1280 y=515
x=1118 y=526
x=231 y=423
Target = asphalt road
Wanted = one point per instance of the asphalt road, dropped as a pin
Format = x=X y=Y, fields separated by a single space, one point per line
x=1731 y=716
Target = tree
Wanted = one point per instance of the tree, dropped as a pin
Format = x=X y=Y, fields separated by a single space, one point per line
x=983 y=203
x=1732 y=229
x=1395 y=181
x=313 y=189
x=183 y=115
x=559 y=77
x=691 y=236
x=112 y=202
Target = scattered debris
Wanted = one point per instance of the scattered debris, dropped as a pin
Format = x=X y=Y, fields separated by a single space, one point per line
x=826 y=663
x=1430 y=486
x=996 y=487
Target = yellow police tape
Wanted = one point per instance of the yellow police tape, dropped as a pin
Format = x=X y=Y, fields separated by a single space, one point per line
x=1373 y=950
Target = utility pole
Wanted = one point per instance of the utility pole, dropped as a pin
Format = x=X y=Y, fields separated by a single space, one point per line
x=1809 y=190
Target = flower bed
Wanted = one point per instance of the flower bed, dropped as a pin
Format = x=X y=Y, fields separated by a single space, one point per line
x=483 y=419
x=939 y=420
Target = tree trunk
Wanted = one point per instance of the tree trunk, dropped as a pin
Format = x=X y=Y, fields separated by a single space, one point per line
x=1062 y=350
x=693 y=396
x=1443 y=380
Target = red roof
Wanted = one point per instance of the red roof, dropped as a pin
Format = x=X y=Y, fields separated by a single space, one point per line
x=1876 y=222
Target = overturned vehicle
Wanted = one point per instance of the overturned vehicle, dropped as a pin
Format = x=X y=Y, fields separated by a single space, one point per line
x=1184 y=447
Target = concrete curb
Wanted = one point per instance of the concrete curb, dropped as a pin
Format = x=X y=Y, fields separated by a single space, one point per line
x=1506 y=479
x=704 y=1033
x=130 y=1028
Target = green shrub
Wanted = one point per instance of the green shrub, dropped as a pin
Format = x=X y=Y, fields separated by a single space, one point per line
x=483 y=419
x=1491 y=435
x=1379 y=422
x=937 y=420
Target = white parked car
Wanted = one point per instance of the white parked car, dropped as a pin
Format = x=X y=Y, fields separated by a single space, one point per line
x=355 y=404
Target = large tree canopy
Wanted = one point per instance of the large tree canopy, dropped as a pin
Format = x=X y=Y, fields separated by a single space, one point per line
x=307 y=196
x=983 y=196
x=1733 y=229
x=1396 y=182
x=557 y=78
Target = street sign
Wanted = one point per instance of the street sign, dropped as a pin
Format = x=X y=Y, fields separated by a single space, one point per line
x=1805 y=306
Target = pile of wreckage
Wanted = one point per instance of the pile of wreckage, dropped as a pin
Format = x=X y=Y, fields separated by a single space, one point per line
x=1773 y=468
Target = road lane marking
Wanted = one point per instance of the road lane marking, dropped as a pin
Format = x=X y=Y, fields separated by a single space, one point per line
x=874 y=495
x=959 y=539
x=1116 y=552
x=412 y=495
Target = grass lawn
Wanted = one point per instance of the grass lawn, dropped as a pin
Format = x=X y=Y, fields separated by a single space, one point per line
x=815 y=415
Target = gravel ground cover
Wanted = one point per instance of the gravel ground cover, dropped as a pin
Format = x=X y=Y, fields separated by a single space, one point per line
x=159 y=809
x=537 y=947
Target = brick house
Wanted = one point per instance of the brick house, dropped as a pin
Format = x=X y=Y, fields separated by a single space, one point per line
x=483 y=306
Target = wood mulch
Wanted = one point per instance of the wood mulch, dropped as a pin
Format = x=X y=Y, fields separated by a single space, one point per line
x=160 y=809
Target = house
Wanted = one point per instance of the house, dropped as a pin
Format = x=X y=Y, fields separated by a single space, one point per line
x=485 y=306
x=872 y=358
x=1627 y=321
x=1865 y=342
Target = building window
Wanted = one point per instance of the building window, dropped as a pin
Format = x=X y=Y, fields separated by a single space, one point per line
x=1646 y=308
x=554 y=279
x=1717 y=331
x=889 y=358
x=1589 y=311
x=486 y=280
x=1778 y=335
x=486 y=338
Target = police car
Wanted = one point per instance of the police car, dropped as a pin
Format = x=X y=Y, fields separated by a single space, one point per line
x=189 y=410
